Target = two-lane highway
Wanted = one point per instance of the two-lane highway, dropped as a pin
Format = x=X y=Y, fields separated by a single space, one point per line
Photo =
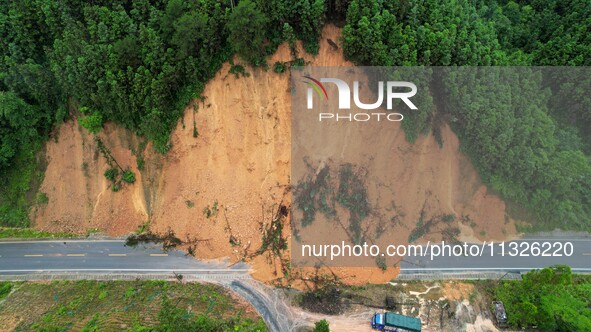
x=100 y=257
x=511 y=256
x=111 y=259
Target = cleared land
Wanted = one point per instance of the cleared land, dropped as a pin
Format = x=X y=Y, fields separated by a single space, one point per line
x=120 y=306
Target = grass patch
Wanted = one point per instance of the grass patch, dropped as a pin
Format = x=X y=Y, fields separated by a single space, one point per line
x=212 y=211
x=145 y=227
x=127 y=306
x=41 y=198
x=5 y=288
x=90 y=231
x=29 y=233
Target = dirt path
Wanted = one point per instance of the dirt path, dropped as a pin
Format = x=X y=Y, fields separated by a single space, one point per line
x=269 y=303
x=281 y=316
x=458 y=314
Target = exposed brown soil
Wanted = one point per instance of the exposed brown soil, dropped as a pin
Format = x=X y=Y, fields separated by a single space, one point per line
x=241 y=160
x=457 y=291
x=80 y=198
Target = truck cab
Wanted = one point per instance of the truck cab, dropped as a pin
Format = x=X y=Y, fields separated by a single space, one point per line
x=377 y=322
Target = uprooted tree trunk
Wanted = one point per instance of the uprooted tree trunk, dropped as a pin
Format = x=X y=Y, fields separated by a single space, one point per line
x=169 y=241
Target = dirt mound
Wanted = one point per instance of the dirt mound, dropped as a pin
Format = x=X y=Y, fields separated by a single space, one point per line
x=231 y=177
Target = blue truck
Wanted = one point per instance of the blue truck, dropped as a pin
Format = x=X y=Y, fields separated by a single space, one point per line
x=391 y=322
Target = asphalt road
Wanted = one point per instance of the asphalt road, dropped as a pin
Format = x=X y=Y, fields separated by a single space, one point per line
x=101 y=257
x=112 y=256
x=111 y=259
x=518 y=256
x=91 y=258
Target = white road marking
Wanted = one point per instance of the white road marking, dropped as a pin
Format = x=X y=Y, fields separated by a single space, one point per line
x=549 y=239
x=35 y=255
x=468 y=269
x=75 y=255
x=133 y=270
x=159 y=255
x=68 y=241
x=117 y=255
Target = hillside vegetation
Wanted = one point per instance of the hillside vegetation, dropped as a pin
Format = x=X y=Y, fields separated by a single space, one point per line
x=139 y=63
x=532 y=154
x=552 y=299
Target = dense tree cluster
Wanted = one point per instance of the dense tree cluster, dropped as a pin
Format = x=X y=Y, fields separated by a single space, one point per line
x=462 y=32
x=528 y=148
x=411 y=33
x=503 y=118
x=306 y=17
x=137 y=63
x=551 y=299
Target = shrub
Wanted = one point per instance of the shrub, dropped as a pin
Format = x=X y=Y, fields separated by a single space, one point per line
x=93 y=123
x=5 y=288
x=41 y=198
x=321 y=326
x=111 y=174
x=128 y=176
x=279 y=67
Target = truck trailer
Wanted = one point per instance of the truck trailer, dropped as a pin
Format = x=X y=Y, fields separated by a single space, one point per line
x=392 y=322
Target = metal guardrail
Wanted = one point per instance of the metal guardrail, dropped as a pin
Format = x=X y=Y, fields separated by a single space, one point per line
x=459 y=276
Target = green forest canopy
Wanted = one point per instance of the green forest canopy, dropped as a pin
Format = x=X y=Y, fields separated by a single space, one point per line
x=537 y=158
x=552 y=299
x=138 y=63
